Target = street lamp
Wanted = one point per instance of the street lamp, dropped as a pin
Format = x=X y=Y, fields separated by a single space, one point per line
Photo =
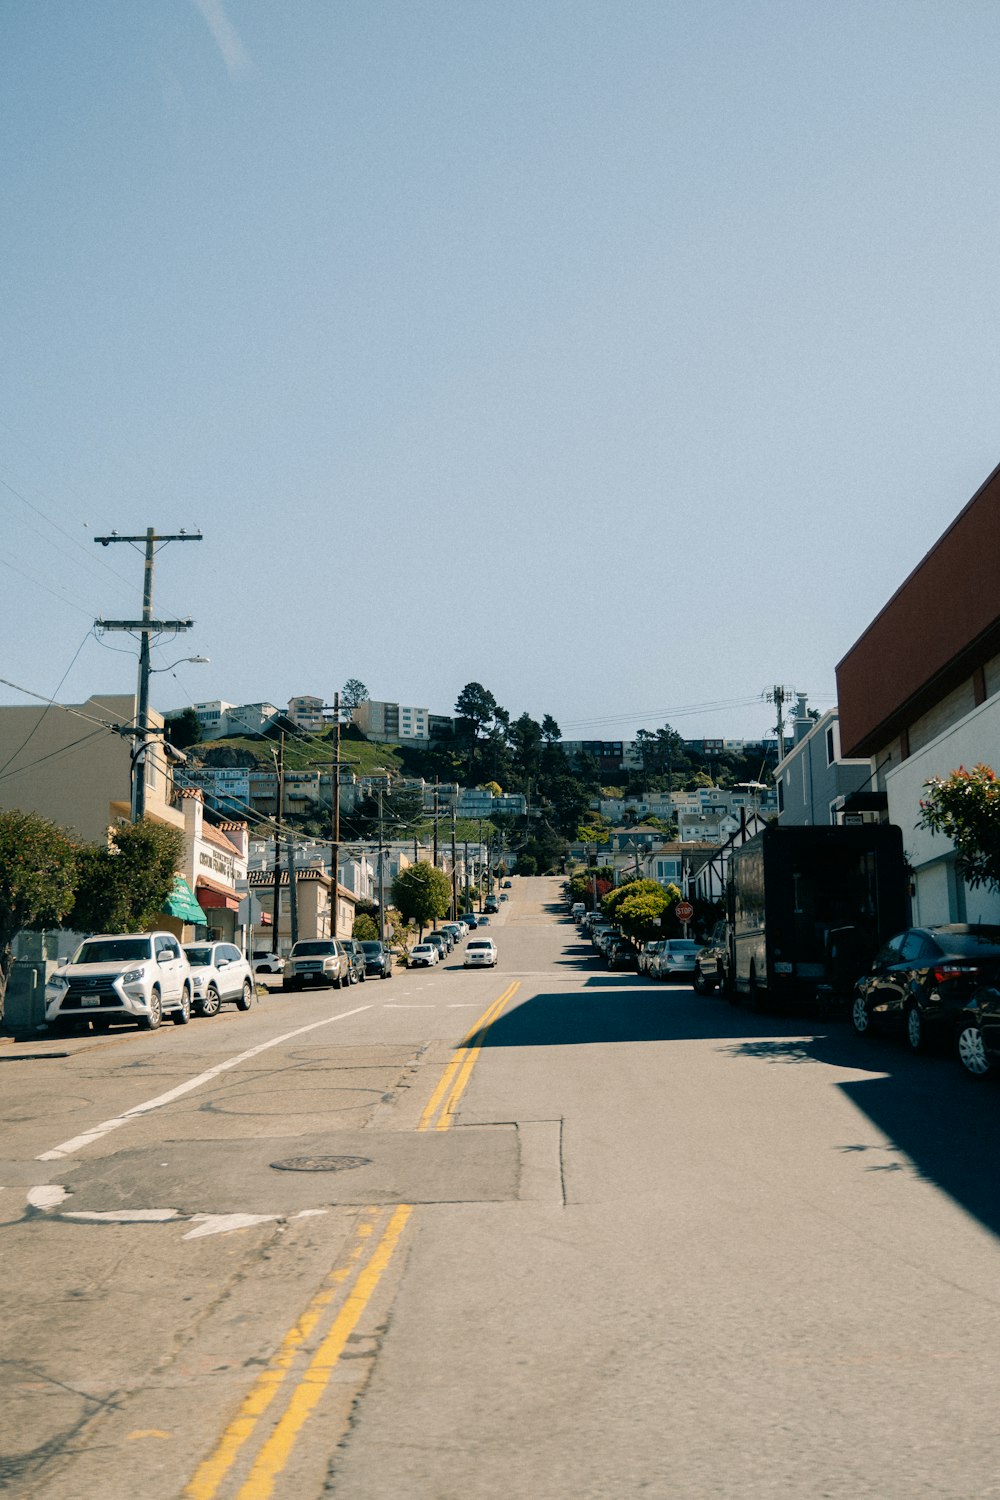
x=201 y=661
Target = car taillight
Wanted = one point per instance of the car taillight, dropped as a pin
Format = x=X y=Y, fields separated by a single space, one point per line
x=944 y=972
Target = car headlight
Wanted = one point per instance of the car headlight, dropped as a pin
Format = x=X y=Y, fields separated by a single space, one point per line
x=134 y=976
x=58 y=982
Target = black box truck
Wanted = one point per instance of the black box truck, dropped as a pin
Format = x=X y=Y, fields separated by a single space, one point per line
x=810 y=907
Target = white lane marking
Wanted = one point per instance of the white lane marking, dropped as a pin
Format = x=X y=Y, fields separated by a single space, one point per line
x=68 y=1148
x=123 y=1215
x=46 y=1197
x=223 y=1223
x=390 y=1006
x=226 y=1223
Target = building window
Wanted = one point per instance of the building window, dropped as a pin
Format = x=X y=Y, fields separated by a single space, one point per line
x=831 y=746
x=781 y=796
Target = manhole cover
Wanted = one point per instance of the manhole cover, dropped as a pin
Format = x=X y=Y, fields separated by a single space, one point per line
x=321 y=1163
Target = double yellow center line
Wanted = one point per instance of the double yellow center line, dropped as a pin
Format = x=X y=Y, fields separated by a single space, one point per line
x=462 y=1063
x=360 y=1276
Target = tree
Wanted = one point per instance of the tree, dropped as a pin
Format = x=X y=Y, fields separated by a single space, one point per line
x=365 y=929
x=353 y=693
x=422 y=894
x=183 y=730
x=37 y=881
x=526 y=744
x=550 y=730
x=475 y=710
x=124 y=885
x=965 y=807
x=641 y=907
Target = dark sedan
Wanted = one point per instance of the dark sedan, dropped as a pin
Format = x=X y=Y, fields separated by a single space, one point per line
x=378 y=959
x=922 y=980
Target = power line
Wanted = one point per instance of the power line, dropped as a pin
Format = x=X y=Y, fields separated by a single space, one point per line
x=40 y=721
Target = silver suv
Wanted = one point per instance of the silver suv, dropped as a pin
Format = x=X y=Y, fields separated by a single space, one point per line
x=139 y=977
x=317 y=961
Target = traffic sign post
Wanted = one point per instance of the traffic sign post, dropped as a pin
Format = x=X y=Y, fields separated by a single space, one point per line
x=684 y=911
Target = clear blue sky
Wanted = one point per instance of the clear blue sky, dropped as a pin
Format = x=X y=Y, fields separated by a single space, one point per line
x=622 y=356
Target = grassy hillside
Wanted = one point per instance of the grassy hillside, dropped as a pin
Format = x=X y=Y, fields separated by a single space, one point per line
x=314 y=751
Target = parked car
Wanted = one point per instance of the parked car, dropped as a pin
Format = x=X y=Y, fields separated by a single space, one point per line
x=139 y=977
x=619 y=954
x=675 y=960
x=265 y=962
x=604 y=936
x=481 y=954
x=423 y=956
x=483 y=921
x=220 y=975
x=647 y=953
x=456 y=930
x=317 y=961
x=711 y=969
x=378 y=959
x=470 y=919
x=507 y=885
x=504 y=896
x=442 y=941
x=356 y=959
x=923 y=978
x=978 y=1041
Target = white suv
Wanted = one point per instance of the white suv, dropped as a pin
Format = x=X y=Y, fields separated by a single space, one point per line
x=137 y=976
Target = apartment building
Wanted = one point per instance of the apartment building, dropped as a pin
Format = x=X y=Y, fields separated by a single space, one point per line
x=919 y=695
x=392 y=723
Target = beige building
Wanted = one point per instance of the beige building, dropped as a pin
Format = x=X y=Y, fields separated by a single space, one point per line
x=313 y=897
x=69 y=765
x=73 y=768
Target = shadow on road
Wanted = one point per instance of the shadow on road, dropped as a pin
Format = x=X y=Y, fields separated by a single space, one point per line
x=941 y=1124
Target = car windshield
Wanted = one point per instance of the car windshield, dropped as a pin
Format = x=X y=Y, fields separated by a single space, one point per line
x=483 y=947
x=113 y=950
x=422 y=948
x=303 y=950
x=374 y=948
x=199 y=958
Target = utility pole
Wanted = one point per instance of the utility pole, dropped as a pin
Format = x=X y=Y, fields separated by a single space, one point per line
x=777 y=696
x=437 y=809
x=278 y=807
x=381 y=874
x=335 y=819
x=144 y=628
x=454 y=854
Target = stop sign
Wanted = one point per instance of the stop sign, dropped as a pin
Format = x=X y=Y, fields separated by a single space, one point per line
x=684 y=911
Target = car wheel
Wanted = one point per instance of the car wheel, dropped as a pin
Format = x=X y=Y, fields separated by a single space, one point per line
x=246 y=996
x=860 y=1019
x=972 y=1053
x=182 y=1017
x=150 y=1022
x=702 y=986
x=916 y=1031
x=211 y=1005
x=288 y=986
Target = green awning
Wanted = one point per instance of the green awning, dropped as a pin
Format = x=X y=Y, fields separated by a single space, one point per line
x=182 y=905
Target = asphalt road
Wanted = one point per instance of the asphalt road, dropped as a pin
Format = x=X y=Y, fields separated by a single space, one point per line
x=537 y=1233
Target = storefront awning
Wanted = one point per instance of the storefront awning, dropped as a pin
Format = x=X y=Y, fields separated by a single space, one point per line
x=182 y=905
x=217 y=900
